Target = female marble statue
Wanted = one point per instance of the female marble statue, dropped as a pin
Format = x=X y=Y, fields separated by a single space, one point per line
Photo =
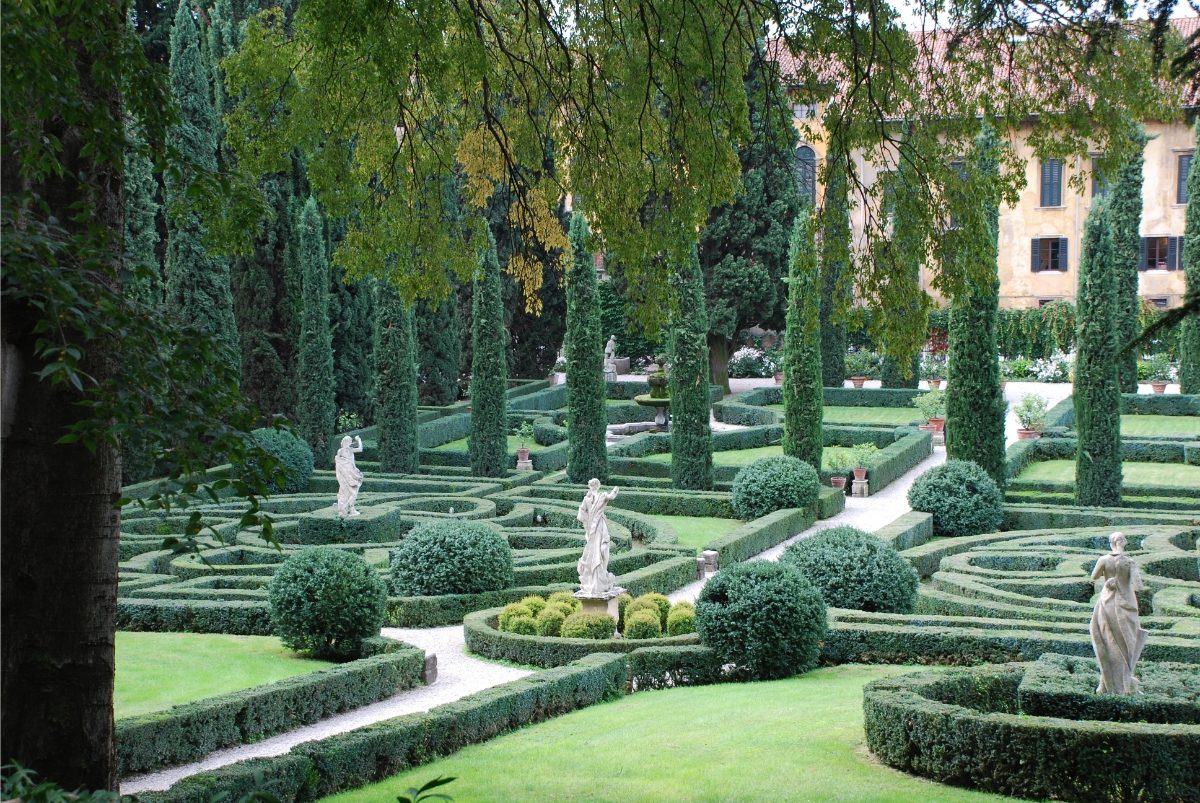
x=348 y=476
x=595 y=580
x=1117 y=635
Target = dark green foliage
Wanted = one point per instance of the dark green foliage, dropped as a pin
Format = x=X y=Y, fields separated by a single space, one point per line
x=1065 y=686
x=325 y=601
x=395 y=382
x=773 y=483
x=316 y=407
x=902 y=255
x=1125 y=218
x=963 y=499
x=295 y=455
x=623 y=601
x=853 y=569
x=439 y=350
x=682 y=619
x=351 y=313
x=451 y=557
x=193 y=730
x=588 y=625
x=835 y=266
x=691 y=438
x=488 y=441
x=764 y=617
x=894 y=376
x=615 y=318
x=1097 y=394
x=143 y=273
x=1189 y=328
x=975 y=406
x=197 y=282
x=802 y=399
x=642 y=624
x=587 y=406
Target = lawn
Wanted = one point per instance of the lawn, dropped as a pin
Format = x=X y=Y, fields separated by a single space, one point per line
x=742 y=457
x=514 y=442
x=795 y=739
x=696 y=531
x=1158 y=425
x=866 y=416
x=158 y=670
x=1134 y=473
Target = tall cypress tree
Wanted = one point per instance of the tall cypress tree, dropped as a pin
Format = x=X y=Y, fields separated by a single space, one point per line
x=904 y=252
x=587 y=408
x=975 y=406
x=143 y=280
x=1125 y=214
x=1189 y=331
x=835 y=265
x=803 y=404
x=439 y=349
x=316 y=410
x=197 y=282
x=488 y=441
x=691 y=436
x=1097 y=394
x=395 y=383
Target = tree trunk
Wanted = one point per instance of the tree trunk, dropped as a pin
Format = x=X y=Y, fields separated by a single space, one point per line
x=718 y=361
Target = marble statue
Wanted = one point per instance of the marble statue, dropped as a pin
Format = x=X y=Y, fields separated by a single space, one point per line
x=1117 y=634
x=595 y=580
x=610 y=359
x=348 y=476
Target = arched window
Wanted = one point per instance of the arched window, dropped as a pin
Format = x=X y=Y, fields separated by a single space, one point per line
x=806 y=173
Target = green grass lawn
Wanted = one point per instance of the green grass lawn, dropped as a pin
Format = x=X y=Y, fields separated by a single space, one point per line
x=1134 y=473
x=796 y=739
x=1157 y=425
x=868 y=416
x=696 y=531
x=514 y=442
x=742 y=457
x=158 y=670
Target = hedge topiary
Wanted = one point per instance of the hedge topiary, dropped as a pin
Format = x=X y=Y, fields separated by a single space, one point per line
x=963 y=499
x=294 y=453
x=853 y=569
x=511 y=611
x=642 y=624
x=325 y=601
x=771 y=484
x=534 y=603
x=565 y=597
x=682 y=619
x=763 y=617
x=550 y=621
x=451 y=557
x=523 y=626
x=588 y=625
x=640 y=605
x=623 y=600
x=661 y=602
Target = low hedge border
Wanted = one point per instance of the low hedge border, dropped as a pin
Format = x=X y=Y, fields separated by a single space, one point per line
x=910 y=530
x=763 y=533
x=1160 y=404
x=449 y=609
x=189 y=732
x=194 y=616
x=965 y=728
x=1064 y=686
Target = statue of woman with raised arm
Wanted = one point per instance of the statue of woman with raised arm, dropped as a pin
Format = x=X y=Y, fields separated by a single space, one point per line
x=348 y=475
x=595 y=580
x=1117 y=634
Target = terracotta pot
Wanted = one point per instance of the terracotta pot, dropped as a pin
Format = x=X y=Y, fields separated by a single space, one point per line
x=860 y=473
x=1159 y=387
x=858 y=381
x=938 y=424
x=838 y=481
x=522 y=454
x=1028 y=434
x=935 y=383
x=779 y=378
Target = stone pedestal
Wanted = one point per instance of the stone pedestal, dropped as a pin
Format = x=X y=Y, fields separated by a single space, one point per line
x=860 y=488
x=429 y=673
x=712 y=559
x=701 y=568
x=524 y=465
x=606 y=603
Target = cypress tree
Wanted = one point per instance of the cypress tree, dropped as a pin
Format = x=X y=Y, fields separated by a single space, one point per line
x=439 y=350
x=143 y=275
x=395 y=383
x=835 y=264
x=904 y=252
x=1125 y=214
x=488 y=441
x=197 y=282
x=1097 y=394
x=691 y=436
x=975 y=406
x=802 y=391
x=316 y=409
x=1189 y=331
x=587 y=408
x=352 y=313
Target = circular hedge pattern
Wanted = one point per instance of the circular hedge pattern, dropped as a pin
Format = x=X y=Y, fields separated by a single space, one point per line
x=326 y=601
x=963 y=499
x=853 y=569
x=763 y=617
x=771 y=484
x=451 y=557
x=294 y=453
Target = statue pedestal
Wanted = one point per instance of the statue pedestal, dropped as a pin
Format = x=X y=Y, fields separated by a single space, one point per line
x=605 y=603
x=860 y=488
x=524 y=465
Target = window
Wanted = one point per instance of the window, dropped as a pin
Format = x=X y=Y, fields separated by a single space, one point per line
x=804 y=111
x=1048 y=253
x=1043 y=302
x=1052 y=182
x=1185 y=164
x=1160 y=303
x=806 y=173
x=1160 y=253
x=1100 y=183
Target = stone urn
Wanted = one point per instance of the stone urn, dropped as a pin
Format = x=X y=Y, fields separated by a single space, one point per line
x=1158 y=387
x=1028 y=434
x=858 y=381
x=523 y=454
x=860 y=474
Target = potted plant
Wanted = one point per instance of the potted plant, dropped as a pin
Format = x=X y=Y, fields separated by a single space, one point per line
x=862 y=455
x=838 y=462
x=1160 y=372
x=1031 y=413
x=933 y=408
x=525 y=434
x=859 y=364
x=933 y=366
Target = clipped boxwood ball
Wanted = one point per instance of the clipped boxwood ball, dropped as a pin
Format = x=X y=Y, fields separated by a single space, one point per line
x=325 y=601
x=763 y=617
x=642 y=624
x=451 y=557
x=550 y=621
x=682 y=619
x=963 y=499
x=853 y=569
x=589 y=625
x=295 y=455
x=511 y=611
x=771 y=484
x=523 y=626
